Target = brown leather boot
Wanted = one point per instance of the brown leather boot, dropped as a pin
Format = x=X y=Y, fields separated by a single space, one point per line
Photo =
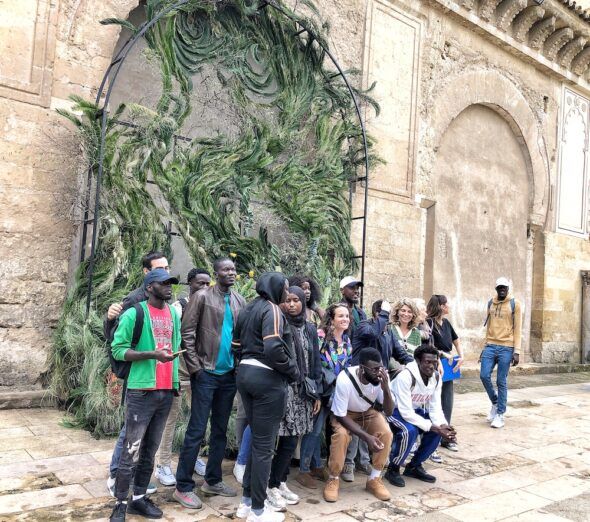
x=307 y=481
x=320 y=474
x=377 y=488
x=331 y=490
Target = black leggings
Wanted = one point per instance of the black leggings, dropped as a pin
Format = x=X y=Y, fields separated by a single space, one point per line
x=282 y=460
x=447 y=397
x=263 y=393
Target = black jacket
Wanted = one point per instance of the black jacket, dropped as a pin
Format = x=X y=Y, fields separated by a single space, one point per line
x=373 y=333
x=131 y=299
x=261 y=331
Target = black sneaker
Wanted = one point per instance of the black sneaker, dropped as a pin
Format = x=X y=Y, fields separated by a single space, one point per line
x=394 y=478
x=420 y=473
x=118 y=514
x=144 y=507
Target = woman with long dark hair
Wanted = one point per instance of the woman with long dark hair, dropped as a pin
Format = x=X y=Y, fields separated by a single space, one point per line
x=444 y=338
x=313 y=295
x=335 y=355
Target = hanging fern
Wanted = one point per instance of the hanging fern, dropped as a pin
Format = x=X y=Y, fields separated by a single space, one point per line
x=273 y=191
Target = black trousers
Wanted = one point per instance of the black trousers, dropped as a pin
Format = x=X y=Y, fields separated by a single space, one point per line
x=263 y=393
x=145 y=419
x=282 y=460
x=447 y=399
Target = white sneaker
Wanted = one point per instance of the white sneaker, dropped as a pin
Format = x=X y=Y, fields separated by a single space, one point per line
x=435 y=457
x=111 y=486
x=200 y=467
x=239 y=470
x=290 y=497
x=498 y=421
x=268 y=515
x=243 y=510
x=275 y=500
x=492 y=414
x=165 y=476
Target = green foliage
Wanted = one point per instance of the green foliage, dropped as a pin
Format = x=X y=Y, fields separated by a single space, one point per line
x=274 y=193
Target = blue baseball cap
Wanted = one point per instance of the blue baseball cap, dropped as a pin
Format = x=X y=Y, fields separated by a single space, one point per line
x=158 y=275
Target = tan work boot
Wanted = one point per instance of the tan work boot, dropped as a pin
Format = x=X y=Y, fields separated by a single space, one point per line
x=331 y=490
x=307 y=481
x=376 y=488
x=320 y=474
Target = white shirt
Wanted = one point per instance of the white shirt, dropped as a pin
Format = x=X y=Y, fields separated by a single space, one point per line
x=346 y=398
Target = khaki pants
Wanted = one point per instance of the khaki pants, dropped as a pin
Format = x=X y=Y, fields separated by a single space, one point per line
x=373 y=423
x=164 y=455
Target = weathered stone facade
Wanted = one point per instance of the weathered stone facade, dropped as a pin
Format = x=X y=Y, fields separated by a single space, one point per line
x=484 y=128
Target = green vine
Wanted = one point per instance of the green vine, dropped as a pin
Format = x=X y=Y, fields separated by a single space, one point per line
x=274 y=193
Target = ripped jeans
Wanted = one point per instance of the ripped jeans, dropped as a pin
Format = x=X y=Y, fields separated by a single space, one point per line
x=145 y=419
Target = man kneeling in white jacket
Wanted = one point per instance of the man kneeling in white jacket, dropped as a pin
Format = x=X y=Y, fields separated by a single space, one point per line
x=416 y=391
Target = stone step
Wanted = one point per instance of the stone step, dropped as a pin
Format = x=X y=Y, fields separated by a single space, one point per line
x=11 y=398
x=471 y=369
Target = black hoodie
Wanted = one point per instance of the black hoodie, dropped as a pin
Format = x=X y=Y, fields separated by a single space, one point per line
x=261 y=332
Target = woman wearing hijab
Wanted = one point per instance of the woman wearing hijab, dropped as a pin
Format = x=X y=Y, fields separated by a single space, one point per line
x=313 y=295
x=301 y=408
x=267 y=364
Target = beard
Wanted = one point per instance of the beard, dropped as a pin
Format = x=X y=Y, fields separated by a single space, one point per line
x=372 y=380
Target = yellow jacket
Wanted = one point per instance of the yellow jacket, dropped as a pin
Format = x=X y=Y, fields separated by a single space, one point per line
x=502 y=327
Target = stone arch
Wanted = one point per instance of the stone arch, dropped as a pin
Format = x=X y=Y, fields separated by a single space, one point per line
x=497 y=92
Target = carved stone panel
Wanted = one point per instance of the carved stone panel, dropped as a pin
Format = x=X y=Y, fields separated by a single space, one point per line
x=573 y=164
x=391 y=60
x=27 y=43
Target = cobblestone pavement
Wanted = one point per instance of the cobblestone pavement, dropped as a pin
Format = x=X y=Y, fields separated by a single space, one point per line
x=535 y=469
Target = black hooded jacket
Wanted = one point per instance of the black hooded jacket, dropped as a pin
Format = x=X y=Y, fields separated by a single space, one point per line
x=261 y=331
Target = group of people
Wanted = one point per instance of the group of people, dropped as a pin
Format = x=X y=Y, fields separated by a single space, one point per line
x=374 y=387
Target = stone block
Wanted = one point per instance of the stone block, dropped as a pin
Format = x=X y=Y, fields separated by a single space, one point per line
x=23 y=355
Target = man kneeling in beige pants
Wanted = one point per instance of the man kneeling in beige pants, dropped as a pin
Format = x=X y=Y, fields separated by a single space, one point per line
x=361 y=391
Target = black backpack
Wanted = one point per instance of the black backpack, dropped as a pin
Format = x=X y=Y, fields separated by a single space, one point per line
x=121 y=368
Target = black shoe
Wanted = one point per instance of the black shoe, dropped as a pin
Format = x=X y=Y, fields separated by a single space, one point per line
x=394 y=478
x=420 y=473
x=118 y=514
x=144 y=507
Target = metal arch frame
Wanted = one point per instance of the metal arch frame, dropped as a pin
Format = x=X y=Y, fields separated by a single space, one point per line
x=113 y=72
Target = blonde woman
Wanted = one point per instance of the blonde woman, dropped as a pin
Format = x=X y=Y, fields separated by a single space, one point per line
x=405 y=319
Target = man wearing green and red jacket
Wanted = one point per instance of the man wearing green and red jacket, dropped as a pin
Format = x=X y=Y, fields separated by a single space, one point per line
x=151 y=384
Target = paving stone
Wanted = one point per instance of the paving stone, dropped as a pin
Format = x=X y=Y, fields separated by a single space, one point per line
x=575 y=508
x=497 y=507
x=46 y=465
x=548 y=452
x=560 y=488
x=31 y=500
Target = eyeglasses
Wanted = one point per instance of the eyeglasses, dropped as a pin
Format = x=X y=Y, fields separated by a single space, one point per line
x=371 y=370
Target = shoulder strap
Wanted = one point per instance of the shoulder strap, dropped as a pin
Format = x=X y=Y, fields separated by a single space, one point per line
x=138 y=326
x=488 y=316
x=513 y=307
x=413 y=385
x=358 y=389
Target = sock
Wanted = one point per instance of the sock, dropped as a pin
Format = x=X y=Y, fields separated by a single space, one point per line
x=247 y=501
x=374 y=474
x=137 y=497
x=333 y=477
x=258 y=512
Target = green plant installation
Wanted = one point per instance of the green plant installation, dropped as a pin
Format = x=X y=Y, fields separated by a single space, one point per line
x=272 y=190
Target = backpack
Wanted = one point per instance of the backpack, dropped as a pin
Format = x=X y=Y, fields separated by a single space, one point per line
x=183 y=301
x=512 y=307
x=121 y=368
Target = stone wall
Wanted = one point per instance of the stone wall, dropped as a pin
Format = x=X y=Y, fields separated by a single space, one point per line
x=451 y=78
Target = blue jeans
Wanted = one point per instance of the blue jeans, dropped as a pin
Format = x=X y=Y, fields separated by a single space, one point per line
x=245 y=447
x=310 y=451
x=117 y=452
x=405 y=435
x=502 y=356
x=211 y=395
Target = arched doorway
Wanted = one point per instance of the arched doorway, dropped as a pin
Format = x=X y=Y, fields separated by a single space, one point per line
x=479 y=221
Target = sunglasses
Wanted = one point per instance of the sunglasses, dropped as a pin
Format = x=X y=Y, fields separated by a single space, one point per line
x=372 y=370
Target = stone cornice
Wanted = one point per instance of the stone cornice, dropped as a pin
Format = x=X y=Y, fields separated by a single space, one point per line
x=553 y=36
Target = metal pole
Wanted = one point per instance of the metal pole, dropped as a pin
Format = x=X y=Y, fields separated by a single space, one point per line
x=118 y=62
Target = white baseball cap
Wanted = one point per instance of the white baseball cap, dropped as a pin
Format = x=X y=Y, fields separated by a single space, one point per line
x=349 y=280
x=502 y=281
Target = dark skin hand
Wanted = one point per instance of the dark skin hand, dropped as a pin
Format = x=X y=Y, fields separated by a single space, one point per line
x=375 y=374
x=159 y=294
x=427 y=365
x=502 y=292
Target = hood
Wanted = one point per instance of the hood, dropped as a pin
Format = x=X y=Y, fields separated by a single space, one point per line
x=271 y=286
